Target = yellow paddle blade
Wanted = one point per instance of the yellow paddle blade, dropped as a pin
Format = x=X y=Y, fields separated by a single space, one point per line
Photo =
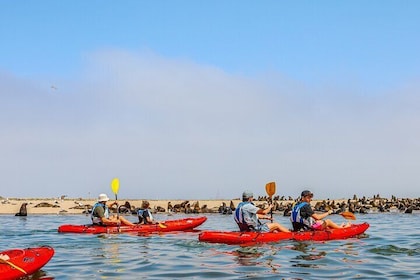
x=348 y=215
x=162 y=225
x=115 y=185
x=270 y=188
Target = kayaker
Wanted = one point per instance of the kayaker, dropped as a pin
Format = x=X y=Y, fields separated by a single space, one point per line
x=303 y=217
x=248 y=216
x=144 y=214
x=101 y=216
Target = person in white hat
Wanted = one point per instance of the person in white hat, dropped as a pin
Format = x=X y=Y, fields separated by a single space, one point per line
x=101 y=216
x=248 y=216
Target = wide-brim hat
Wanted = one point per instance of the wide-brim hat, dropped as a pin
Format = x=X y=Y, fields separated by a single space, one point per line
x=103 y=197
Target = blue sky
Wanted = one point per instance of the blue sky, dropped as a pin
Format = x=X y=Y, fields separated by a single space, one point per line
x=203 y=99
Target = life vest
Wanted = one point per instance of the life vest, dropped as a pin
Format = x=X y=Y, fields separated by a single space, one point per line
x=142 y=216
x=239 y=217
x=296 y=219
x=95 y=219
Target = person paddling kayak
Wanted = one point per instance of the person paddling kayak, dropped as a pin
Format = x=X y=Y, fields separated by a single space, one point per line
x=144 y=214
x=303 y=216
x=101 y=216
x=248 y=216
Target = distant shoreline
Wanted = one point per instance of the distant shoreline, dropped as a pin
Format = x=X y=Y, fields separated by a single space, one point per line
x=79 y=205
x=58 y=206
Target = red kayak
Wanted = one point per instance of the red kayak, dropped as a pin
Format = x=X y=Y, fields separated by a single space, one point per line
x=24 y=262
x=166 y=226
x=232 y=237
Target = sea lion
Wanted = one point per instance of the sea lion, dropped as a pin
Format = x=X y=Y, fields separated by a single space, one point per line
x=22 y=210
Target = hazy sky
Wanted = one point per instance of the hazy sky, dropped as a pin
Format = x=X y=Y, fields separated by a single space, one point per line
x=204 y=99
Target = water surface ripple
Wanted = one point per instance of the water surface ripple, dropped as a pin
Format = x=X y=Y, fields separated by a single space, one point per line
x=390 y=249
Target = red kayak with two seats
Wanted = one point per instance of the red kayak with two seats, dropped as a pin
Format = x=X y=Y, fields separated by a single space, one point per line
x=17 y=263
x=252 y=237
x=165 y=226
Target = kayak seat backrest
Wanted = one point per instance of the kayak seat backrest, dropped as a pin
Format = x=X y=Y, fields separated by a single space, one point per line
x=300 y=227
x=245 y=227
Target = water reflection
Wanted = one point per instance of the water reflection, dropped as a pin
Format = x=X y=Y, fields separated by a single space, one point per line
x=39 y=275
x=262 y=257
x=247 y=256
x=310 y=254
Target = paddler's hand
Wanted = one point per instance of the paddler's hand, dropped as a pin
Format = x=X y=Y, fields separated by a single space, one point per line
x=4 y=257
x=268 y=218
x=114 y=203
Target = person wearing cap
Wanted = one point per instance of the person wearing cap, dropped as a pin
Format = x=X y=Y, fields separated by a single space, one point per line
x=303 y=216
x=101 y=216
x=248 y=216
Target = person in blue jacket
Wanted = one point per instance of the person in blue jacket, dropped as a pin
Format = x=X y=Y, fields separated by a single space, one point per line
x=248 y=216
x=144 y=214
x=303 y=217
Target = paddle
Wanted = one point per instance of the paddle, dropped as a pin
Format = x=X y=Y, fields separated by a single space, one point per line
x=348 y=215
x=270 y=188
x=115 y=186
x=162 y=225
x=14 y=266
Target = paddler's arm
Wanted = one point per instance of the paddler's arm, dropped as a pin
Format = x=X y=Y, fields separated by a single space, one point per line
x=262 y=213
x=321 y=216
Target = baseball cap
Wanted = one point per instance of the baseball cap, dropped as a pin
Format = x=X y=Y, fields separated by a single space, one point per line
x=307 y=193
x=247 y=194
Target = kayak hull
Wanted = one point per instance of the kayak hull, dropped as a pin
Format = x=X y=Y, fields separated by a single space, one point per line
x=166 y=226
x=232 y=238
x=24 y=262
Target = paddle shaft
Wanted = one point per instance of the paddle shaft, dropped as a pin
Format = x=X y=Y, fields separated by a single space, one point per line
x=14 y=266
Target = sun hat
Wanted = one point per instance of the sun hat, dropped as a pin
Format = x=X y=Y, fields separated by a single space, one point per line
x=247 y=194
x=103 y=197
x=307 y=193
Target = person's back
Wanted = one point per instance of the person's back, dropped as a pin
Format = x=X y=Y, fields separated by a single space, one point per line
x=98 y=212
x=304 y=217
x=243 y=217
x=248 y=216
x=144 y=215
x=299 y=216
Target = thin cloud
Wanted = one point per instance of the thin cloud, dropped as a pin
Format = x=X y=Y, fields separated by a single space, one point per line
x=171 y=128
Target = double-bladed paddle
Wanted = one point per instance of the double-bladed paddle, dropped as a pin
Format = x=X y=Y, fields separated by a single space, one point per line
x=348 y=215
x=115 y=186
x=270 y=188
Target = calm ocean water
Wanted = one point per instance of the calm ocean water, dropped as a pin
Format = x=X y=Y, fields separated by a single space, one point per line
x=390 y=249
